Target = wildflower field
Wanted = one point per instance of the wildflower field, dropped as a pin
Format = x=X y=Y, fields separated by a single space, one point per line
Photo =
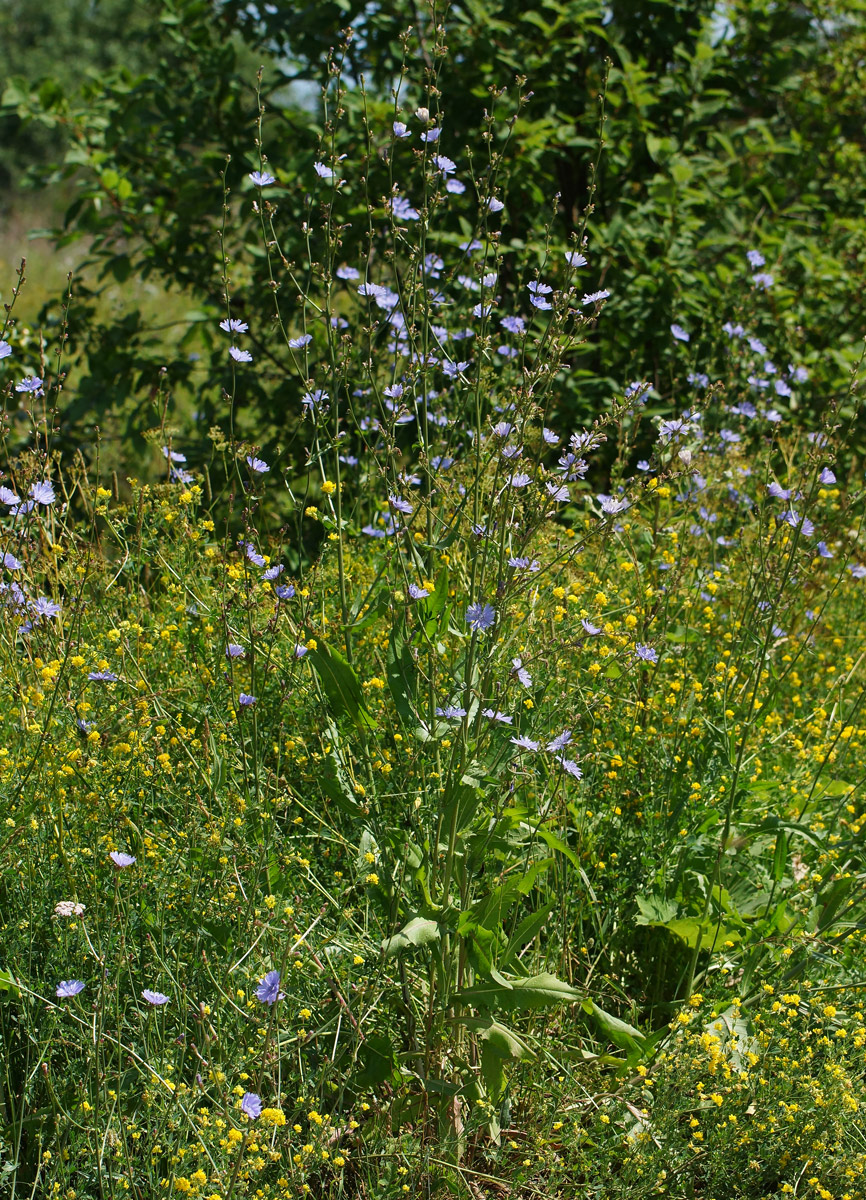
x=416 y=787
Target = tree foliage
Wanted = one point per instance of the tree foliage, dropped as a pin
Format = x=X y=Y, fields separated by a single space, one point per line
x=726 y=128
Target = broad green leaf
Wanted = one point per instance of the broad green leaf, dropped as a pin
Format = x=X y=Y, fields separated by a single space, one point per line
x=493 y=1073
x=537 y=991
x=402 y=674
x=655 y=910
x=619 y=1032
x=8 y=984
x=502 y=1040
x=417 y=932
x=341 y=686
x=527 y=880
x=433 y=604
x=378 y=1060
x=692 y=931
x=556 y=843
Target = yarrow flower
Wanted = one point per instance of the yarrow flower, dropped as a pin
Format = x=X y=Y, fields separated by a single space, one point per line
x=68 y=908
x=68 y=988
x=480 y=617
x=121 y=859
x=157 y=999
x=268 y=990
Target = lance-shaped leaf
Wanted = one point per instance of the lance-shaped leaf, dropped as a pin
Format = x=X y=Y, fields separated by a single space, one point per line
x=341 y=686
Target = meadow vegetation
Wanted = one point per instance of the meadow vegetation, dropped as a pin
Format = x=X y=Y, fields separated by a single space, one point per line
x=411 y=788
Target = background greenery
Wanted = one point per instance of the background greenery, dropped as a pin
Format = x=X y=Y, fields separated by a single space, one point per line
x=728 y=126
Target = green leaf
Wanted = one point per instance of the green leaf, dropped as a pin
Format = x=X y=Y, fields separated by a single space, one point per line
x=8 y=984
x=16 y=92
x=556 y=843
x=655 y=910
x=401 y=674
x=493 y=1073
x=341 y=686
x=693 y=931
x=220 y=931
x=433 y=604
x=502 y=1040
x=378 y=1060
x=527 y=881
x=537 y=991
x=525 y=932
x=417 y=932
x=780 y=857
x=619 y=1032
